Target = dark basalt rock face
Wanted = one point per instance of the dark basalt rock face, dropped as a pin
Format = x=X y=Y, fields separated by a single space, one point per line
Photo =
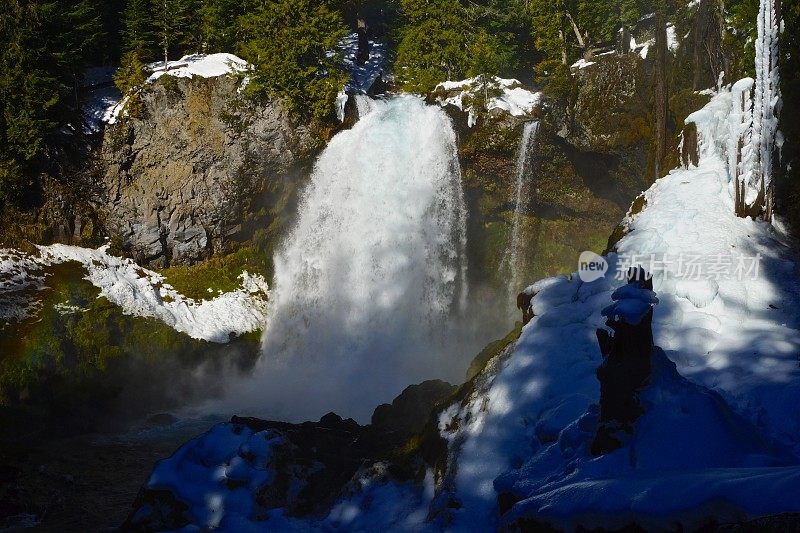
x=197 y=169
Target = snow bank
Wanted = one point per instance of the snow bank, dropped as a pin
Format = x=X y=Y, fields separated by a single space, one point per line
x=513 y=99
x=362 y=76
x=582 y=63
x=217 y=475
x=673 y=471
x=137 y=291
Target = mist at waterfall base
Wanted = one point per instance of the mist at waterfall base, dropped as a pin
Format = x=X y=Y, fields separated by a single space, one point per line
x=370 y=290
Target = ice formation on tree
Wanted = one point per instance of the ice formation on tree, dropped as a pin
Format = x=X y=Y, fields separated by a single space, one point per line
x=767 y=93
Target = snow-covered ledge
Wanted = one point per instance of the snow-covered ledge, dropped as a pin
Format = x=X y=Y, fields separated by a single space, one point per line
x=513 y=98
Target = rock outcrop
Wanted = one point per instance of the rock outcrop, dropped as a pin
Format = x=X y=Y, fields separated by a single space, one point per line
x=202 y=166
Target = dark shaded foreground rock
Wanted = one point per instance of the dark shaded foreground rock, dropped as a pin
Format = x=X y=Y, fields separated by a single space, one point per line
x=311 y=462
x=402 y=416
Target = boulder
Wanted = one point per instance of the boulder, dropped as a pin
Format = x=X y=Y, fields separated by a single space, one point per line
x=409 y=412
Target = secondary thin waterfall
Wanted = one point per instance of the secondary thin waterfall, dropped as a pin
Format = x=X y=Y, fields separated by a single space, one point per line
x=369 y=283
x=512 y=257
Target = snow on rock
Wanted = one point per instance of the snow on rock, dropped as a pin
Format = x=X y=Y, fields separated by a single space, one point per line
x=673 y=471
x=101 y=97
x=631 y=304
x=582 y=63
x=142 y=292
x=137 y=291
x=513 y=98
x=217 y=474
x=101 y=107
x=205 y=66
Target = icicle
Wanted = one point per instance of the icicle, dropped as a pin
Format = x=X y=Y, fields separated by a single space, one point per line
x=766 y=99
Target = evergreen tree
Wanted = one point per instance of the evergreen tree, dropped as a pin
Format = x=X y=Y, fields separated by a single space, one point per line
x=487 y=58
x=600 y=20
x=43 y=48
x=173 y=25
x=553 y=39
x=130 y=80
x=508 y=23
x=138 y=32
x=290 y=44
x=219 y=24
x=433 y=47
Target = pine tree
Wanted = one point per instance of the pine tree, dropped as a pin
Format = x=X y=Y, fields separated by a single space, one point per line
x=289 y=42
x=600 y=20
x=554 y=39
x=173 y=25
x=138 y=32
x=130 y=80
x=43 y=48
x=219 y=24
x=487 y=58
x=434 y=43
x=74 y=29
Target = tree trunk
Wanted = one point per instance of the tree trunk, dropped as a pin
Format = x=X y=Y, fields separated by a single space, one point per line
x=708 y=61
x=577 y=32
x=165 y=41
x=660 y=89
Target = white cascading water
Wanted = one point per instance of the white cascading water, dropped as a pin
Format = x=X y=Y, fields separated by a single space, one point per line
x=364 y=105
x=512 y=258
x=369 y=283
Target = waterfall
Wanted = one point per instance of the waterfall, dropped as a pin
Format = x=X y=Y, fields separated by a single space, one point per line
x=364 y=104
x=369 y=283
x=512 y=259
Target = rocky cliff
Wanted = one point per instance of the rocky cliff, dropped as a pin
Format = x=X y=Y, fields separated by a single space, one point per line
x=202 y=166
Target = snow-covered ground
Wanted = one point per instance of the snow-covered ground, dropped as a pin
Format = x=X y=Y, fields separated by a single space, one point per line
x=136 y=290
x=362 y=76
x=513 y=98
x=720 y=437
x=18 y=274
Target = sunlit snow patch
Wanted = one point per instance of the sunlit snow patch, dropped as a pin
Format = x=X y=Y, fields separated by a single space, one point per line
x=136 y=290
